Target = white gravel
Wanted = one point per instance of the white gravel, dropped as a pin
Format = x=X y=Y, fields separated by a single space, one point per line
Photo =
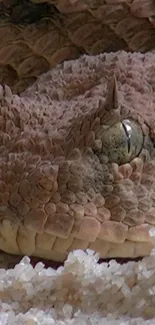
x=83 y=292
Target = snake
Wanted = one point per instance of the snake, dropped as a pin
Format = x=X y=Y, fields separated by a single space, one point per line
x=77 y=139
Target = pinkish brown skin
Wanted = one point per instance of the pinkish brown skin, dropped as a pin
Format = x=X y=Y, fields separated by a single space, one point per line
x=57 y=194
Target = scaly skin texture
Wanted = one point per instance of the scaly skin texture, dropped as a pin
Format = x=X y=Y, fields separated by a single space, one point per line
x=58 y=191
x=37 y=35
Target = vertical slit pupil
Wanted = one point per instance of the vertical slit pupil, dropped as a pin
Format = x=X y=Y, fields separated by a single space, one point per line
x=128 y=137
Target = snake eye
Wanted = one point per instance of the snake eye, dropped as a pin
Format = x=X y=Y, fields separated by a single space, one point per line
x=122 y=141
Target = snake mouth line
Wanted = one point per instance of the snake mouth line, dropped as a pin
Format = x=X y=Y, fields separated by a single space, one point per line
x=10 y=260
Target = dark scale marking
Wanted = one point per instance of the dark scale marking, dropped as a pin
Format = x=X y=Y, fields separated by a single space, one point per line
x=24 y=12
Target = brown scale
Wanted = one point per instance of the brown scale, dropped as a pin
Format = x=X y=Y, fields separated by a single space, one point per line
x=150 y=216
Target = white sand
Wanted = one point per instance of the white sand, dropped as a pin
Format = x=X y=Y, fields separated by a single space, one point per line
x=83 y=292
